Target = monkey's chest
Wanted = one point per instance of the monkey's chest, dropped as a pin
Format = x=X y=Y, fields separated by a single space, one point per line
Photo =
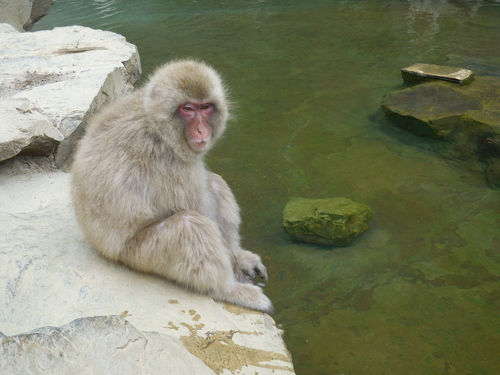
x=180 y=192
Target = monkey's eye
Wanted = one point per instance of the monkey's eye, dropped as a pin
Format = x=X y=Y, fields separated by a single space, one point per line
x=206 y=106
x=187 y=108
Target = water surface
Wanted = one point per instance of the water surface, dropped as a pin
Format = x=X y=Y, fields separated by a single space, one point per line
x=419 y=292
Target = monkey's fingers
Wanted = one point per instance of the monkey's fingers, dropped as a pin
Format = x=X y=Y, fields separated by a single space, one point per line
x=261 y=271
x=251 y=265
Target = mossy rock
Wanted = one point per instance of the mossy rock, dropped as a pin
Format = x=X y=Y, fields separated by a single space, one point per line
x=331 y=221
x=434 y=109
x=429 y=109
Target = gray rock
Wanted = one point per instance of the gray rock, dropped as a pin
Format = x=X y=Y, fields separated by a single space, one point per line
x=50 y=277
x=426 y=72
x=333 y=221
x=61 y=77
x=22 y=14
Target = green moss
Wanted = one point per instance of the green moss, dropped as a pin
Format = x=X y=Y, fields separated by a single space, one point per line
x=333 y=221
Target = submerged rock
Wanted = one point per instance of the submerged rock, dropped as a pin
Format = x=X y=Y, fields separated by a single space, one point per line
x=331 y=221
x=425 y=72
x=430 y=109
x=478 y=133
x=467 y=117
x=477 y=137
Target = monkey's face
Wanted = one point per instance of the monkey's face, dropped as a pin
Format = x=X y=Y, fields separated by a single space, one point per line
x=186 y=107
x=197 y=117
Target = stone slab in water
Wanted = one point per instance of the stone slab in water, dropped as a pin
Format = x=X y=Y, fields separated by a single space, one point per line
x=332 y=221
x=425 y=72
x=434 y=109
x=431 y=109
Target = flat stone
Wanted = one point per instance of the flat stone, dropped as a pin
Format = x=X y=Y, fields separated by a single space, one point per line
x=431 y=109
x=426 y=72
x=331 y=221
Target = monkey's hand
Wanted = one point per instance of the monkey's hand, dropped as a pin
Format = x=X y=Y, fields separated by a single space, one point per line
x=249 y=266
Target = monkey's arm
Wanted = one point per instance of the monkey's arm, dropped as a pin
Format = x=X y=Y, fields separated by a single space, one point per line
x=247 y=264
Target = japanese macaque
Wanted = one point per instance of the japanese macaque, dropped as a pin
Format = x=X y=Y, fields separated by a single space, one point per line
x=143 y=196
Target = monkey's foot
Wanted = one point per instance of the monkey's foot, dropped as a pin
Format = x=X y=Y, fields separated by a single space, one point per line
x=246 y=295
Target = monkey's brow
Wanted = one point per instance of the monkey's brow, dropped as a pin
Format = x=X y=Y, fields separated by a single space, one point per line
x=195 y=90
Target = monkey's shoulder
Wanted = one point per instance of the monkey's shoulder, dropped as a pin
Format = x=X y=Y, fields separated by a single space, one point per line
x=123 y=111
x=121 y=124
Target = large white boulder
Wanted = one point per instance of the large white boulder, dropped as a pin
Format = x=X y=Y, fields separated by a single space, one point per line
x=65 y=309
x=51 y=82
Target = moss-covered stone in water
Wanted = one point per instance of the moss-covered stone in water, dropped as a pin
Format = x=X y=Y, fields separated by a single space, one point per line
x=429 y=109
x=331 y=221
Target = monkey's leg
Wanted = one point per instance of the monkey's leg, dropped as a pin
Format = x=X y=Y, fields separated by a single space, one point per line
x=188 y=248
x=227 y=215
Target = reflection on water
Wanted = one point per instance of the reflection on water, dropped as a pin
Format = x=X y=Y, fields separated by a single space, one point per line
x=101 y=14
x=418 y=293
x=424 y=18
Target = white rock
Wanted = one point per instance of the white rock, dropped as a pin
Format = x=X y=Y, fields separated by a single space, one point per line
x=23 y=128
x=423 y=72
x=67 y=74
x=65 y=350
x=50 y=277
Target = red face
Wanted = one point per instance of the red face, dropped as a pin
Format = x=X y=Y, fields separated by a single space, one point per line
x=197 y=119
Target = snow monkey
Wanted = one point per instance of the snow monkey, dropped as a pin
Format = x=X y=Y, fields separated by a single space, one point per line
x=143 y=196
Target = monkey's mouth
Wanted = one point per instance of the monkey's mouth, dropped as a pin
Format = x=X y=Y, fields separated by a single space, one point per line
x=198 y=144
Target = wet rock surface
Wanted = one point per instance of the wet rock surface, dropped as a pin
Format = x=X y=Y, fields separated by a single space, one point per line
x=466 y=117
x=431 y=109
x=333 y=221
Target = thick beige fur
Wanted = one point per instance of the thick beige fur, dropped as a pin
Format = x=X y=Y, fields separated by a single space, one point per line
x=143 y=197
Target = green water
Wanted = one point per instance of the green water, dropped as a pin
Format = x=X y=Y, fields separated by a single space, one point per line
x=419 y=292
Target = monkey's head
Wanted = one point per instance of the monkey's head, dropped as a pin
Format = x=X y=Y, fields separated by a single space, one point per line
x=186 y=106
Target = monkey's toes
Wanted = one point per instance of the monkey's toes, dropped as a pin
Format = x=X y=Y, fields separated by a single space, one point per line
x=261 y=271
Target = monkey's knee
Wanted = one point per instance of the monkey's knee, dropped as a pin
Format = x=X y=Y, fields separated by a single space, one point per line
x=197 y=255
